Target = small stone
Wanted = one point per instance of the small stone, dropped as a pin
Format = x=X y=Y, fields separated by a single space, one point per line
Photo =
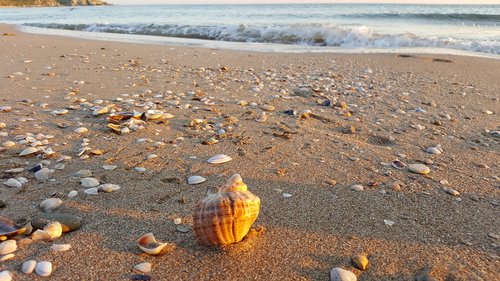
x=83 y=174
x=451 y=191
x=108 y=187
x=81 y=130
x=360 y=262
x=331 y=182
x=339 y=274
x=28 y=266
x=44 y=174
x=5 y=275
x=494 y=236
x=357 y=187
x=68 y=222
x=109 y=167
x=72 y=194
x=89 y=182
x=182 y=228
x=144 y=267
x=389 y=222
x=13 y=183
x=140 y=169
x=91 y=191
x=48 y=205
x=287 y=195
x=178 y=221
x=419 y=169
x=43 y=268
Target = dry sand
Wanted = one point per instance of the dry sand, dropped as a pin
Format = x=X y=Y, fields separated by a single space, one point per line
x=323 y=224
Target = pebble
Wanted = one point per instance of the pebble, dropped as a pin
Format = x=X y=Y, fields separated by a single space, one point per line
x=360 y=262
x=5 y=275
x=144 y=267
x=108 y=187
x=182 y=228
x=48 y=205
x=43 y=268
x=7 y=247
x=91 y=191
x=109 y=167
x=89 y=182
x=28 y=266
x=419 y=169
x=196 y=179
x=287 y=195
x=67 y=221
x=83 y=174
x=178 y=221
x=339 y=274
x=44 y=174
x=81 y=130
x=72 y=194
x=13 y=183
x=451 y=191
x=389 y=222
x=357 y=187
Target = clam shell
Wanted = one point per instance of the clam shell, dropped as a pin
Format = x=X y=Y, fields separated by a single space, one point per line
x=13 y=183
x=7 y=257
x=398 y=164
x=5 y=275
x=419 y=169
x=7 y=247
x=196 y=179
x=148 y=244
x=50 y=204
x=226 y=217
x=339 y=274
x=89 y=182
x=61 y=111
x=81 y=130
x=43 y=268
x=144 y=267
x=219 y=159
x=28 y=266
x=153 y=114
x=28 y=151
x=9 y=228
x=433 y=150
x=72 y=194
x=109 y=187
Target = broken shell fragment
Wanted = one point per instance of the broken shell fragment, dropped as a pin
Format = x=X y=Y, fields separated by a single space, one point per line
x=13 y=183
x=8 y=247
x=60 y=247
x=226 y=217
x=51 y=231
x=9 y=228
x=219 y=159
x=153 y=114
x=28 y=151
x=144 y=267
x=148 y=244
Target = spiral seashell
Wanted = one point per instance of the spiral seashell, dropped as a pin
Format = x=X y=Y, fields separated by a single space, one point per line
x=226 y=217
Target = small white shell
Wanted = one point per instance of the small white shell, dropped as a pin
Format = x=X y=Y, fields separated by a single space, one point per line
x=148 y=244
x=5 y=275
x=339 y=274
x=109 y=167
x=108 y=187
x=72 y=194
x=196 y=179
x=61 y=111
x=13 y=183
x=50 y=204
x=144 y=267
x=7 y=257
x=28 y=151
x=28 y=266
x=61 y=247
x=433 y=150
x=357 y=187
x=43 y=268
x=8 y=247
x=89 y=182
x=81 y=130
x=8 y=144
x=51 y=231
x=153 y=114
x=219 y=159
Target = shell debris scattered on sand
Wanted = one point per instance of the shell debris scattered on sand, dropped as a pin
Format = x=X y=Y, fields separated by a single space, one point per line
x=215 y=221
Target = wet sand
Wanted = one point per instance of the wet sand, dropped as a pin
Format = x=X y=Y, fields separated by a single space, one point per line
x=366 y=110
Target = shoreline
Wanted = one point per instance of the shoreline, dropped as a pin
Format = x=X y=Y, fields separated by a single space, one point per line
x=366 y=111
x=243 y=46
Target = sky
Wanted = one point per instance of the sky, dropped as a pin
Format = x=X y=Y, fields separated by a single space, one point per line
x=143 y=2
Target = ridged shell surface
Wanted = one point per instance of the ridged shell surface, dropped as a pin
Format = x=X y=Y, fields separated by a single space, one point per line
x=226 y=217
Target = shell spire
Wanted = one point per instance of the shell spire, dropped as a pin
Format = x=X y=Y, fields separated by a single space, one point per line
x=226 y=217
x=234 y=183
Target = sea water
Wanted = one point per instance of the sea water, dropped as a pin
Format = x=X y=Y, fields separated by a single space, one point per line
x=280 y=27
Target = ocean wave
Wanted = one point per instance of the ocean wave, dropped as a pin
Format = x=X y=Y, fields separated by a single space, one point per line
x=490 y=19
x=297 y=34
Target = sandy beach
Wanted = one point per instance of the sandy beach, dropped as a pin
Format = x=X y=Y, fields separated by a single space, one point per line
x=302 y=130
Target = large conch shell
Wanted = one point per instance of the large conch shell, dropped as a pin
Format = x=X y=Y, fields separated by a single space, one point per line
x=226 y=217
